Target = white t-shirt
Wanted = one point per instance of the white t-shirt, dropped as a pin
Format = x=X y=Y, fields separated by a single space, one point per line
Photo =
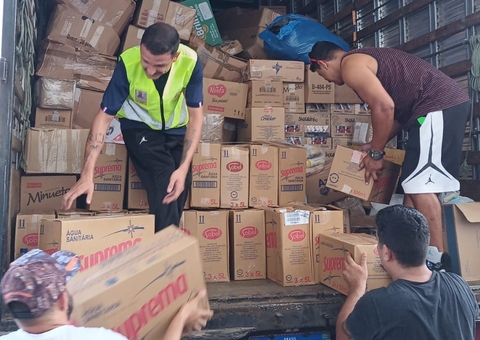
x=67 y=332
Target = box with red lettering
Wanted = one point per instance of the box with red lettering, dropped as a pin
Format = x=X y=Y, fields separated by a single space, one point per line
x=138 y=291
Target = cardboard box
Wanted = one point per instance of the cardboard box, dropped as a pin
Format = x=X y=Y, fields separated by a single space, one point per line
x=308 y=129
x=292 y=173
x=323 y=220
x=247 y=36
x=344 y=109
x=149 y=12
x=26 y=232
x=286 y=71
x=53 y=118
x=132 y=37
x=234 y=172
x=211 y=230
x=219 y=65
x=254 y=51
x=263 y=175
x=343 y=124
x=42 y=194
x=332 y=260
x=90 y=71
x=320 y=90
x=278 y=9
x=205 y=190
x=265 y=124
x=57 y=151
x=182 y=18
x=362 y=109
x=70 y=27
x=342 y=141
x=116 y=15
x=87 y=105
x=74 y=214
x=95 y=239
x=322 y=109
x=109 y=178
x=54 y=93
x=204 y=26
x=231 y=47
x=294 y=97
x=139 y=292
x=225 y=97
x=289 y=240
x=248 y=260
x=461 y=229
x=136 y=194
x=263 y=93
x=345 y=176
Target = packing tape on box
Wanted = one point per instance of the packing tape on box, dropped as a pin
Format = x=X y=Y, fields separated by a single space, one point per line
x=346 y=189
x=96 y=36
x=87 y=25
x=356 y=157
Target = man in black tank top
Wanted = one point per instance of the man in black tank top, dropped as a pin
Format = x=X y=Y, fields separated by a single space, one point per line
x=419 y=304
x=405 y=92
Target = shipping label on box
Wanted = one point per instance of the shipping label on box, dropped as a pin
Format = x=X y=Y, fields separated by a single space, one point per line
x=70 y=27
x=53 y=118
x=26 y=232
x=345 y=176
x=182 y=18
x=205 y=190
x=211 y=230
x=44 y=194
x=226 y=98
x=318 y=90
x=149 y=12
x=247 y=244
x=136 y=194
x=138 y=292
x=133 y=37
x=234 y=176
x=288 y=239
x=263 y=93
x=294 y=97
x=263 y=124
x=343 y=124
x=204 y=25
x=109 y=178
x=292 y=173
x=331 y=254
x=263 y=175
x=95 y=239
x=286 y=71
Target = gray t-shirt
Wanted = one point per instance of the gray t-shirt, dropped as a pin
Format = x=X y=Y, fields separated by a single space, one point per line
x=67 y=332
x=442 y=308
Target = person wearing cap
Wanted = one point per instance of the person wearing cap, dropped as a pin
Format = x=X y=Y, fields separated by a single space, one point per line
x=34 y=290
x=405 y=92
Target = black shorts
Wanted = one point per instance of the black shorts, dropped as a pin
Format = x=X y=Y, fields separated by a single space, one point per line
x=434 y=152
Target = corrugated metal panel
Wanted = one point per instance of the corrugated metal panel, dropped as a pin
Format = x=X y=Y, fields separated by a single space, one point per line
x=390 y=36
x=326 y=10
x=345 y=28
x=388 y=7
x=452 y=49
x=417 y=24
x=423 y=52
x=367 y=42
x=449 y=11
x=341 y=4
x=366 y=16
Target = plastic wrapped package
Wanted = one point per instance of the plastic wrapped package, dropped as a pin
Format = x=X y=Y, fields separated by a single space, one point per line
x=212 y=128
x=55 y=93
x=292 y=36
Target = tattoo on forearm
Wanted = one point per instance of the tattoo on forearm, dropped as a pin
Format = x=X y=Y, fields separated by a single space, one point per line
x=94 y=141
x=187 y=144
x=345 y=330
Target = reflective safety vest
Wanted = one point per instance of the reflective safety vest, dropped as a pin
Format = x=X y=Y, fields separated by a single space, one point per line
x=144 y=103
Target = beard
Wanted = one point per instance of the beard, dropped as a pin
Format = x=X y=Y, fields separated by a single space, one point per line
x=70 y=306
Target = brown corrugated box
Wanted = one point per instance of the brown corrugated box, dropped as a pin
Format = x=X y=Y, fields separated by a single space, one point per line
x=44 y=194
x=234 y=173
x=136 y=194
x=53 y=118
x=309 y=129
x=319 y=90
x=91 y=71
x=288 y=238
x=294 y=97
x=54 y=93
x=267 y=123
x=205 y=190
x=284 y=70
x=343 y=124
x=263 y=93
x=231 y=47
x=247 y=243
x=149 y=12
x=137 y=293
x=55 y=151
x=181 y=17
x=211 y=230
x=114 y=14
x=109 y=178
x=224 y=97
x=87 y=105
x=331 y=252
x=132 y=37
x=26 y=231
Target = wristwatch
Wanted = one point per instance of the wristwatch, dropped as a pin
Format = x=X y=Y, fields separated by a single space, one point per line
x=376 y=155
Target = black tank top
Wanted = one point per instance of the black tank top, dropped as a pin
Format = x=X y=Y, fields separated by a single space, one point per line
x=416 y=87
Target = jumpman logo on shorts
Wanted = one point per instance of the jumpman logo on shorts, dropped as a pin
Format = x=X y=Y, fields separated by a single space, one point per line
x=143 y=140
x=430 y=180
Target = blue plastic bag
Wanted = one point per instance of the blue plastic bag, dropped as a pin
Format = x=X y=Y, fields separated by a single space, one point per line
x=292 y=36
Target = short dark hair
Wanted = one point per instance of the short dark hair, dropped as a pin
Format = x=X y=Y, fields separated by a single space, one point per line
x=322 y=50
x=161 y=38
x=405 y=231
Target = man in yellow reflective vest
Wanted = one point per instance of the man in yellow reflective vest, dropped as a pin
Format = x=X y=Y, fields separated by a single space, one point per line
x=156 y=91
